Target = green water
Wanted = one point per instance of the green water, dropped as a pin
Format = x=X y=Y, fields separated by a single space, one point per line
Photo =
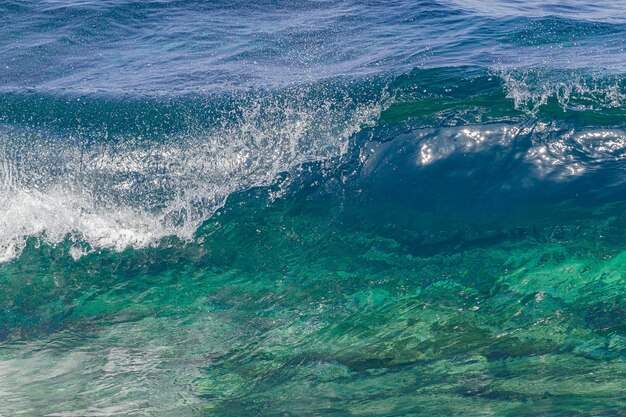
x=335 y=308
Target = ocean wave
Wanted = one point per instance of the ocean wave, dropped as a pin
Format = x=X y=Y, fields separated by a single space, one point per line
x=115 y=173
x=118 y=190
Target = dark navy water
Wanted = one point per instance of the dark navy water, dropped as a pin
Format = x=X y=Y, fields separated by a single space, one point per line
x=320 y=208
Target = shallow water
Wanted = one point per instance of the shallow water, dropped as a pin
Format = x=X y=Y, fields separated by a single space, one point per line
x=312 y=209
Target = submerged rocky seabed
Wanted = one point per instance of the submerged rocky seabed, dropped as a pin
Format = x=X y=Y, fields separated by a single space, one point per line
x=321 y=306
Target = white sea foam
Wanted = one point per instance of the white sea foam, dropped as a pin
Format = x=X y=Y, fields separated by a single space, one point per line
x=132 y=192
x=532 y=89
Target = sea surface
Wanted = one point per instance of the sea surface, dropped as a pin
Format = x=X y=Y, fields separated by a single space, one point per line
x=313 y=208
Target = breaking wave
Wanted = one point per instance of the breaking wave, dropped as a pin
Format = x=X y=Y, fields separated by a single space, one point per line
x=116 y=190
x=119 y=172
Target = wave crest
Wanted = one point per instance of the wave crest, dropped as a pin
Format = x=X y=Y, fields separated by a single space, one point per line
x=132 y=191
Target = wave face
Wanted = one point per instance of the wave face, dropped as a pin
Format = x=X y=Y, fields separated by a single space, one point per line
x=392 y=208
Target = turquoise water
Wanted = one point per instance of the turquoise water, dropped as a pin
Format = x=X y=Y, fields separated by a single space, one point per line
x=312 y=208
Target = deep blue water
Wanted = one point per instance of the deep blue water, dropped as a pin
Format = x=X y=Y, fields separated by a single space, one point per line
x=313 y=208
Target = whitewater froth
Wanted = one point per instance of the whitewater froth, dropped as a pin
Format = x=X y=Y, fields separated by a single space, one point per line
x=531 y=89
x=132 y=191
